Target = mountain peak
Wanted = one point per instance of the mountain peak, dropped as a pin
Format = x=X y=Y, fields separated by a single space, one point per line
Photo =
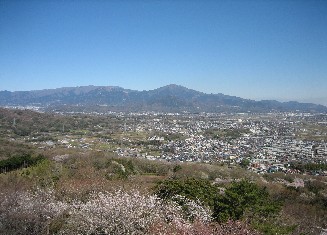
x=173 y=86
x=176 y=88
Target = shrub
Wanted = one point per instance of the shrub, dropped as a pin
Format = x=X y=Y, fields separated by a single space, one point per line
x=193 y=189
x=242 y=198
x=28 y=212
x=40 y=212
x=19 y=161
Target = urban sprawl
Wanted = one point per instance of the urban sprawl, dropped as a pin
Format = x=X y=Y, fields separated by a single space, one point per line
x=266 y=142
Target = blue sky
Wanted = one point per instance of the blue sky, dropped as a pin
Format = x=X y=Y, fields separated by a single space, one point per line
x=251 y=49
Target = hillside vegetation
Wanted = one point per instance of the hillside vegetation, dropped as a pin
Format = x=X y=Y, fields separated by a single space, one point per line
x=94 y=193
x=77 y=190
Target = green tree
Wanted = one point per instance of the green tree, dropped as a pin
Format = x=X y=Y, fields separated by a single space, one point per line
x=197 y=190
x=245 y=163
x=193 y=189
x=244 y=198
x=19 y=161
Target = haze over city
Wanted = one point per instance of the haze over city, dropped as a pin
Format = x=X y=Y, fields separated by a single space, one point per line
x=250 y=49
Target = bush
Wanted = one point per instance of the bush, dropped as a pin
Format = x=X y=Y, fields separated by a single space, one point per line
x=40 y=212
x=315 y=186
x=245 y=163
x=20 y=161
x=244 y=198
x=193 y=189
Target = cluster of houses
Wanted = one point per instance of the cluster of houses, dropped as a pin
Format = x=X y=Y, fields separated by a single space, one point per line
x=270 y=142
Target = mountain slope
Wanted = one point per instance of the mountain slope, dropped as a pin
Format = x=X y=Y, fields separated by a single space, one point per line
x=170 y=98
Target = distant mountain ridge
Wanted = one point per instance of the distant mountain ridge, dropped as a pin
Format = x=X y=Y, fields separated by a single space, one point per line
x=170 y=98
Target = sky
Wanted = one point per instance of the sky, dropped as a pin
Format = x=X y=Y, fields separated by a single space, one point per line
x=254 y=49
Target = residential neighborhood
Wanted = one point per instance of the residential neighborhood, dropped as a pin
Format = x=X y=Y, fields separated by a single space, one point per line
x=268 y=142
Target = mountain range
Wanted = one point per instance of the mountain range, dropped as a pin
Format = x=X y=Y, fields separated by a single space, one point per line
x=170 y=98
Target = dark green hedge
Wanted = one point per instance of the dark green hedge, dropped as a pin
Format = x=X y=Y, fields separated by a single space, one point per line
x=19 y=161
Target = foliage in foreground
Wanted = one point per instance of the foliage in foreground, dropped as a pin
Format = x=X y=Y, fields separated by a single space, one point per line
x=19 y=161
x=241 y=200
x=193 y=189
x=41 y=212
x=78 y=177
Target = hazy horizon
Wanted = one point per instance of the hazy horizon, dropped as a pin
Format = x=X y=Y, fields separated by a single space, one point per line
x=271 y=98
x=251 y=49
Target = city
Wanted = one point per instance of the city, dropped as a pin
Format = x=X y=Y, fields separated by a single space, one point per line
x=265 y=142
